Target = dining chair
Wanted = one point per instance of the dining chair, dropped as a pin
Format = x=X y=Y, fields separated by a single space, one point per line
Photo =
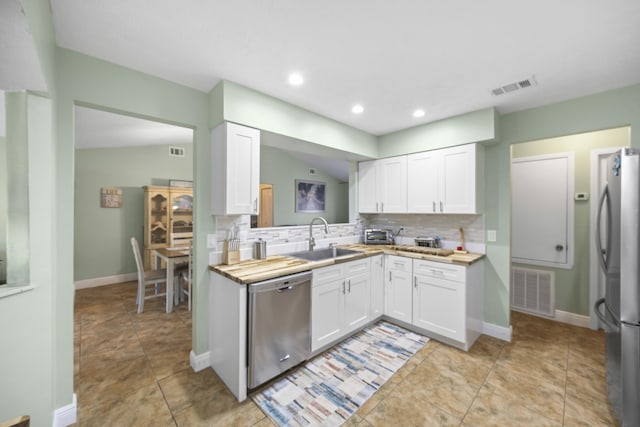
x=148 y=280
x=186 y=277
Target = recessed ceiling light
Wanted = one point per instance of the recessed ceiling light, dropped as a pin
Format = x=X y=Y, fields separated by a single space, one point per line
x=357 y=109
x=418 y=113
x=296 y=79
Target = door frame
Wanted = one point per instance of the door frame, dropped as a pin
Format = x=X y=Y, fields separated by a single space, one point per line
x=594 y=270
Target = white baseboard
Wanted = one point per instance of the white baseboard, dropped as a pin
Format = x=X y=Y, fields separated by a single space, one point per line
x=572 y=318
x=501 y=332
x=66 y=415
x=199 y=362
x=107 y=280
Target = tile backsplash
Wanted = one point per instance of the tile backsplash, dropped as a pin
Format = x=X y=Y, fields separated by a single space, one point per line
x=442 y=225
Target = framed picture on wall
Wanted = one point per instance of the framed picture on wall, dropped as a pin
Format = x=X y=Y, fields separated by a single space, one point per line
x=310 y=196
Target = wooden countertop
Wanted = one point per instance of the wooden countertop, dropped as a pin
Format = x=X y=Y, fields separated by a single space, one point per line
x=252 y=270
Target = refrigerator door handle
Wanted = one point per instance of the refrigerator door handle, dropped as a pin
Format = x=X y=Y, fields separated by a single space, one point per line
x=604 y=197
x=609 y=326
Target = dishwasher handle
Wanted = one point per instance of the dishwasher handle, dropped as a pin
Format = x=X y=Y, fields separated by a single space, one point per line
x=281 y=284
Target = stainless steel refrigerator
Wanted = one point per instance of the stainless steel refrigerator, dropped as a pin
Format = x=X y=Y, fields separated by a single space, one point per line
x=620 y=261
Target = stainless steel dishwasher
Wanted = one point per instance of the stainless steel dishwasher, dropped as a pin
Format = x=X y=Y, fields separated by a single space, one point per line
x=279 y=326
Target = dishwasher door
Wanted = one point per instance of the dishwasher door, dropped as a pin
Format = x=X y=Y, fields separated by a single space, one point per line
x=279 y=326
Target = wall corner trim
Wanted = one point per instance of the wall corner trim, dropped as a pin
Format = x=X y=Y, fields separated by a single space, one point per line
x=497 y=331
x=199 y=362
x=66 y=415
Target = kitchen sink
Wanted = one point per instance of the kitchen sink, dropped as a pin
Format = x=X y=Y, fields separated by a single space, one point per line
x=322 y=254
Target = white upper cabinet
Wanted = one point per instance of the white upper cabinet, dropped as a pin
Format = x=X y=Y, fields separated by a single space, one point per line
x=235 y=159
x=382 y=185
x=444 y=181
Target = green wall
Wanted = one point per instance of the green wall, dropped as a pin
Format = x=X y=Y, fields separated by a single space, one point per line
x=279 y=168
x=129 y=168
x=605 y=110
x=19 y=118
x=572 y=285
x=477 y=126
x=255 y=109
x=3 y=210
x=28 y=340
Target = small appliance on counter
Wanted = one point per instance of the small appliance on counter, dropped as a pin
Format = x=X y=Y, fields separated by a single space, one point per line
x=378 y=236
x=429 y=242
x=260 y=249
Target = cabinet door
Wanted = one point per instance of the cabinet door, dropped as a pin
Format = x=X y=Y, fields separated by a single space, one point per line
x=458 y=179
x=327 y=313
x=235 y=160
x=356 y=302
x=367 y=190
x=398 y=295
x=181 y=222
x=377 y=286
x=391 y=182
x=422 y=182
x=439 y=306
x=243 y=169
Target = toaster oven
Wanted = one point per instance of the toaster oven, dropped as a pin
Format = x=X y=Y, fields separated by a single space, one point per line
x=378 y=236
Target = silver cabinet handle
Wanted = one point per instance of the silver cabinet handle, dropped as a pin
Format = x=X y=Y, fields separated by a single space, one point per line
x=415 y=282
x=381 y=206
x=389 y=276
x=434 y=205
x=441 y=209
x=349 y=286
x=255 y=205
x=559 y=248
x=343 y=288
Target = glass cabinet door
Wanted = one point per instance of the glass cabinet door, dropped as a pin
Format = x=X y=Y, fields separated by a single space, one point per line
x=158 y=216
x=181 y=218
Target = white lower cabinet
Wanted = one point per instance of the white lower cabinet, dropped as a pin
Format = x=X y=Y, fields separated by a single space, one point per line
x=340 y=301
x=398 y=291
x=448 y=300
x=438 y=304
x=377 y=286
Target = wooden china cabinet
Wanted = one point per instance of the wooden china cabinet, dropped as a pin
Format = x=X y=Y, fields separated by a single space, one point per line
x=168 y=218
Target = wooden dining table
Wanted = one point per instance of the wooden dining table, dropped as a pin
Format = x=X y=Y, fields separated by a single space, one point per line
x=171 y=257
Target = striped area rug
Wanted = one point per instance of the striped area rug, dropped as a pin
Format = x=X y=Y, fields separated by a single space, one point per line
x=332 y=386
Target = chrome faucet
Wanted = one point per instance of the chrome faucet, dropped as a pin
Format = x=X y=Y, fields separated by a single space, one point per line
x=312 y=241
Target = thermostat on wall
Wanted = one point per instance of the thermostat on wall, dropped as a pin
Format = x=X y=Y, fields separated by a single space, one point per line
x=582 y=196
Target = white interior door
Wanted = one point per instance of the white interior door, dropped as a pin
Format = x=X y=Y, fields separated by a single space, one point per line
x=542 y=210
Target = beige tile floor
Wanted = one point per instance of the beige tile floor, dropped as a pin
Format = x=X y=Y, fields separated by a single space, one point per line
x=133 y=370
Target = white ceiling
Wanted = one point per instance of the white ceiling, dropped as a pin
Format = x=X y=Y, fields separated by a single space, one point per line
x=392 y=57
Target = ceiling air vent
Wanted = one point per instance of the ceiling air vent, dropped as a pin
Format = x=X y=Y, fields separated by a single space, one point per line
x=512 y=87
x=176 y=151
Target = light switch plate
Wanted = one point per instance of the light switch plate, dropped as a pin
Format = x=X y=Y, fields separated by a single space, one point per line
x=212 y=241
x=491 y=235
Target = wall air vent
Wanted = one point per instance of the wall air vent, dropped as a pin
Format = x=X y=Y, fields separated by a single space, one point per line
x=533 y=291
x=176 y=151
x=512 y=87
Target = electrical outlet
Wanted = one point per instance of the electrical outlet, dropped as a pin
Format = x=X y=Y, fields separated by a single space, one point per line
x=491 y=235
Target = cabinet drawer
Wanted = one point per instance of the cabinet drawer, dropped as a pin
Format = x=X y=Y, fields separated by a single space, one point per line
x=439 y=270
x=327 y=274
x=356 y=267
x=398 y=263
